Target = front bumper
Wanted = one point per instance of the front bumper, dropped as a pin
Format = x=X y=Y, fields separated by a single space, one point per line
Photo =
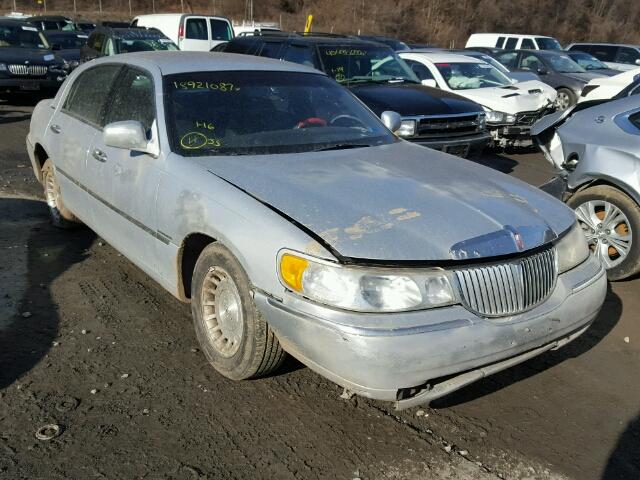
x=461 y=146
x=30 y=84
x=381 y=356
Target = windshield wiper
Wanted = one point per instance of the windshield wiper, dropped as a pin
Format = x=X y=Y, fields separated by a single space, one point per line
x=342 y=146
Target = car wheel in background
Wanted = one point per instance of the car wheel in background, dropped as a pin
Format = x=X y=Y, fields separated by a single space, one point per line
x=611 y=222
x=61 y=216
x=566 y=98
x=234 y=337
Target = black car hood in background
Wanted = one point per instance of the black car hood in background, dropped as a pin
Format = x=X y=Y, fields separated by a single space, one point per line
x=583 y=76
x=412 y=99
x=35 y=56
x=69 y=54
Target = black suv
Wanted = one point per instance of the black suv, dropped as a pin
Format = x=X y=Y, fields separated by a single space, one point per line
x=27 y=62
x=377 y=76
x=106 y=41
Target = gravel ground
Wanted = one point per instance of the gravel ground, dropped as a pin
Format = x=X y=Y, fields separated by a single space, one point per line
x=89 y=343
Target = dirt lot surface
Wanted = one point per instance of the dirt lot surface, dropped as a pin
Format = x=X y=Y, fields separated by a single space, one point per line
x=89 y=343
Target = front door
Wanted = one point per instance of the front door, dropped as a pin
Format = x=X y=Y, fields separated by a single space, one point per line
x=132 y=177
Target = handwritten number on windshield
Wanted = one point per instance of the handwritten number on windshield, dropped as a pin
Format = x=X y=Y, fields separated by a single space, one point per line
x=197 y=140
x=219 y=86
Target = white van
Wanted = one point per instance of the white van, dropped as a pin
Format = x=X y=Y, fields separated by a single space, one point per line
x=189 y=31
x=512 y=41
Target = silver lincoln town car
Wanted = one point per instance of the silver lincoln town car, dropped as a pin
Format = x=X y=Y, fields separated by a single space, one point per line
x=293 y=220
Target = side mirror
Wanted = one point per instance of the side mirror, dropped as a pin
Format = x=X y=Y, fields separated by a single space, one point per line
x=429 y=82
x=56 y=46
x=637 y=62
x=542 y=70
x=129 y=135
x=391 y=120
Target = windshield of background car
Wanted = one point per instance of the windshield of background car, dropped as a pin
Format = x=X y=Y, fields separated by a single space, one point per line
x=260 y=113
x=464 y=76
x=546 y=43
x=143 y=42
x=350 y=64
x=588 y=62
x=22 y=36
x=564 y=64
x=67 y=42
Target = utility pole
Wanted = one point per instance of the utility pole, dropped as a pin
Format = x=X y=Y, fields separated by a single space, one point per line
x=100 y=6
x=129 y=7
x=182 y=6
x=75 y=11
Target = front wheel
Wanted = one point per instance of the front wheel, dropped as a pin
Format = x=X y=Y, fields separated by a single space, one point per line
x=611 y=222
x=234 y=337
x=566 y=98
x=61 y=216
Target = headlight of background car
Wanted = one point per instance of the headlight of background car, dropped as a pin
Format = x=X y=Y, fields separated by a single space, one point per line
x=572 y=249
x=407 y=128
x=365 y=289
x=494 y=116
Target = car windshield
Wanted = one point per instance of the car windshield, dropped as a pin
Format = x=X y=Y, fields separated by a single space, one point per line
x=364 y=63
x=144 y=44
x=67 y=42
x=564 y=64
x=546 y=43
x=259 y=113
x=586 y=61
x=22 y=36
x=465 y=75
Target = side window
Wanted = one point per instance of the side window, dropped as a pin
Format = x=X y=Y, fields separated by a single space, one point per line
x=627 y=55
x=530 y=62
x=109 y=48
x=97 y=42
x=511 y=43
x=87 y=95
x=500 y=42
x=582 y=48
x=301 y=54
x=133 y=99
x=196 y=29
x=134 y=23
x=509 y=60
x=271 y=49
x=527 y=44
x=604 y=53
x=220 y=30
x=421 y=71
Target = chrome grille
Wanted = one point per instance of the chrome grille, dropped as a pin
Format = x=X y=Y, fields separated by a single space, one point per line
x=449 y=125
x=508 y=288
x=28 y=70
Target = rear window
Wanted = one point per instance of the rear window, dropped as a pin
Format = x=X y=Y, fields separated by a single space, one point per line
x=500 y=42
x=527 y=44
x=220 y=30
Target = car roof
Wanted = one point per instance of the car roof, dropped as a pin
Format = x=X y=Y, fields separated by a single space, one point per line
x=630 y=45
x=48 y=17
x=15 y=21
x=327 y=39
x=536 y=52
x=171 y=62
x=446 y=57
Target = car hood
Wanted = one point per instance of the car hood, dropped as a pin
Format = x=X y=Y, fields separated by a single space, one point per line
x=69 y=54
x=32 y=55
x=583 y=76
x=399 y=202
x=412 y=99
x=520 y=97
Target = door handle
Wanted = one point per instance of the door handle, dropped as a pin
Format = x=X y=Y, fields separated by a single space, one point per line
x=99 y=155
x=55 y=128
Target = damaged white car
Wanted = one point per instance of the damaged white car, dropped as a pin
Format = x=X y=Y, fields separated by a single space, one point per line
x=511 y=107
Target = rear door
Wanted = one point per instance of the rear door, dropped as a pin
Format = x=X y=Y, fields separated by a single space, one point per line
x=220 y=30
x=72 y=131
x=626 y=58
x=196 y=34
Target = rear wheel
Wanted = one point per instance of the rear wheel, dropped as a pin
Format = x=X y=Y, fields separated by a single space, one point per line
x=234 y=337
x=61 y=216
x=611 y=222
x=566 y=98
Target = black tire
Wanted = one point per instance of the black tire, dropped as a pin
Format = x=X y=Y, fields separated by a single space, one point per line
x=257 y=352
x=631 y=264
x=571 y=98
x=61 y=216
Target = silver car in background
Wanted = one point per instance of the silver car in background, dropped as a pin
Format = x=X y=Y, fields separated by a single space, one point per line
x=597 y=150
x=294 y=221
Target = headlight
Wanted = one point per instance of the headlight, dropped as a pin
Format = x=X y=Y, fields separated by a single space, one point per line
x=572 y=249
x=3 y=67
x=407 y=128
x=494 y=116
x=365 y=289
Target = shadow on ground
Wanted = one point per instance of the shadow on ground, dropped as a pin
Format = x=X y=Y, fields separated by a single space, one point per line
x=27 y=236
x=624 y=461
x=603 y=324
